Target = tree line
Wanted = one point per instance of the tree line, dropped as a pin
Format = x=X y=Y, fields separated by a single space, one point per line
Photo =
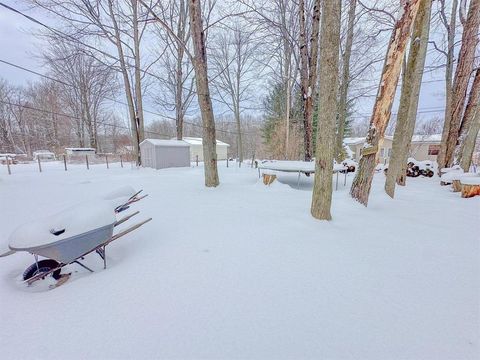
x=305 y=64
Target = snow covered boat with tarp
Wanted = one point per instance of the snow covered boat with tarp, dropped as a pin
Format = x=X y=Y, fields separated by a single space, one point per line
x=66 y=237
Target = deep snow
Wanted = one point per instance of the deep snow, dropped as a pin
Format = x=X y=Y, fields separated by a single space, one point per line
x=244 y=271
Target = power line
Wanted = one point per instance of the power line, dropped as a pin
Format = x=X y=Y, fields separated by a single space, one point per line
x=64 y=35
x=29 y=107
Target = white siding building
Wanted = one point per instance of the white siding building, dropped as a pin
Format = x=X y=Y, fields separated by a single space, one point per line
x=196 y=148
x=160 y=154
x=422 y=147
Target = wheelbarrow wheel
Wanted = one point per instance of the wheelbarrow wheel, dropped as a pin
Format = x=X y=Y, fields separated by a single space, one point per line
x=43 y=266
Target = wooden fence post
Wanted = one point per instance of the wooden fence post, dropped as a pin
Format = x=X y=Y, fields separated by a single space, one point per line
x=253 y=160
x=65 y=162
x=196 y=159
x=227 y=161
x=8 y=166
x=39 y=164
x=106 y=160
x=86 y=160
x=121 y=161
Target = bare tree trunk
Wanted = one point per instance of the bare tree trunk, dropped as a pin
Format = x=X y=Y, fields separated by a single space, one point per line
x=460 y=84
x=126 y=82
x=411 y=84
x=308 y=72
x=466 y=135
x=330 y=45
x=342 y=103
x=448 y=77
x=138 y=76
x=383 y=105
x=469 y=142
x=179 y=111
x=203 y=94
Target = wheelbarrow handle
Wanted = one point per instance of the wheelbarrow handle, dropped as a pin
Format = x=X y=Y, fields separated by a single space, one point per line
x=7 y=253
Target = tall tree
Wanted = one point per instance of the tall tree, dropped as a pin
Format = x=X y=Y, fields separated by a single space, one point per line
x=469 y=128
x=234 y=62
x=177 y=83
x=329 y=45
x=308 y=71
x=203 y=94
x=345 y=81
x=463 y=72
x=411 y=84
x=362 y=182
x=450 y=27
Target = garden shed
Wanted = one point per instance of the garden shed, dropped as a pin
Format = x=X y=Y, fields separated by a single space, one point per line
x=160 y=154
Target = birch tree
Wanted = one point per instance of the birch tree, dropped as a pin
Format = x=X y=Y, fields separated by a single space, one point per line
x=411 y=84
x=329 y=45
x=362 y=182
x=463 y=72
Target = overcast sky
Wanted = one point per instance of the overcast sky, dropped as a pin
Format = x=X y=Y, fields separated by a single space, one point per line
x=20 y=46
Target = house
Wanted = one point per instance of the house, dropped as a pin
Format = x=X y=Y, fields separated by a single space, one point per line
x=422 y=147
x=196 y=148
x=160 y=154
x=356 y=145
x=425 y=147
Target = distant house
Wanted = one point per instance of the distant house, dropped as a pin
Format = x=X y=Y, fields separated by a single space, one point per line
x=80 y=151
x=196 y=148
x=423 y=147
x=43 y=155
x=160 y=154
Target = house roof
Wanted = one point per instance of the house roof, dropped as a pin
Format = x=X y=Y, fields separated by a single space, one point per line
x=435 y=138
x=354 y=140
x=170 y=143
x=199 y=141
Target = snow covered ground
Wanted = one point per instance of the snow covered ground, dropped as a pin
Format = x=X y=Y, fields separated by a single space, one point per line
x=244 y=271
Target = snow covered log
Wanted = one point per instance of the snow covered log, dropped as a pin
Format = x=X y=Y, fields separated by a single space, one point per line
x=470 y=186
x=470 y=190
x=456 y=186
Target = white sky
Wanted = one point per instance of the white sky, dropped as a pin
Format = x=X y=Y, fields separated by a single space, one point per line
x=19 y=46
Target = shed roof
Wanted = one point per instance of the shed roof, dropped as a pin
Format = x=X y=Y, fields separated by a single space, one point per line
x=199 y=141
x=80 y=149
x=170 y=143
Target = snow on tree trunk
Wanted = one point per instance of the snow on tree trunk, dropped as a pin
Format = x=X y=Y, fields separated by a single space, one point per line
x=360 y=189
x=460 y=85
x=203 y=94
x=330 y=44
x=469 y=128
x=409 y=97
x=342 y=103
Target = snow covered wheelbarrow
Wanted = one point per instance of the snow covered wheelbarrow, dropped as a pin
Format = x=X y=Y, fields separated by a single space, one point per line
x=65 y=238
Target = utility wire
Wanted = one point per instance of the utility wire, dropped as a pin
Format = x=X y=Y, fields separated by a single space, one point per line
x=72 y=38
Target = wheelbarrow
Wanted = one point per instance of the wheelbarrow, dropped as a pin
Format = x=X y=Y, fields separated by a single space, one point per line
x=67 y=237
